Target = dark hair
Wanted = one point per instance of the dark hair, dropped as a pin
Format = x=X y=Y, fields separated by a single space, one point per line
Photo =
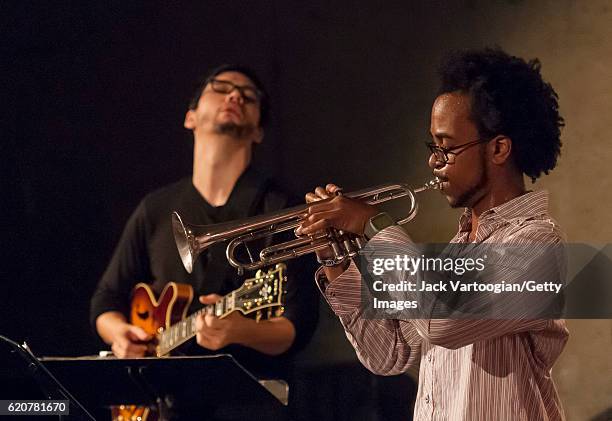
x=508 y=97
x=264 y=105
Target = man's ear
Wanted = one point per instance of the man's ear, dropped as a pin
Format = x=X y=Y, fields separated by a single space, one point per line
x=502 y=147
x=258 y=135
x=190 y=121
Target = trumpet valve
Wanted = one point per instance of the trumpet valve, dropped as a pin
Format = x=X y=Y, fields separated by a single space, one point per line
x=359 y=242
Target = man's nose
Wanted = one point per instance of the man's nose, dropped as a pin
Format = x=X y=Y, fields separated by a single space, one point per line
x=433 y=162
x=235 y=96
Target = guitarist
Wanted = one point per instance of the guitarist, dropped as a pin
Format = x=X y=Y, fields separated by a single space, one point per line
x=227 y=116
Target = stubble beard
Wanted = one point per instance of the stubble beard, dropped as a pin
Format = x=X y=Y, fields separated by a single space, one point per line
x=473 y=194
x=233 y=130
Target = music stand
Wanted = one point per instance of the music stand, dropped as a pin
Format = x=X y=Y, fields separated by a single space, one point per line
x=48 y=384
x=202 y=381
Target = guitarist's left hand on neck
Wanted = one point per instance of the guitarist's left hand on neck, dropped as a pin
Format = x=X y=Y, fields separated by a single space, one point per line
x=272 y=337
x=214 y=333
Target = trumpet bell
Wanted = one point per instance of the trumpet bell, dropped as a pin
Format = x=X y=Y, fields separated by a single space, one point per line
x=184 y=239
x=190 y=243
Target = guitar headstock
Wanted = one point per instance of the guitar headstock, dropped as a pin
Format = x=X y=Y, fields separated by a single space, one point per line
x=265 y=290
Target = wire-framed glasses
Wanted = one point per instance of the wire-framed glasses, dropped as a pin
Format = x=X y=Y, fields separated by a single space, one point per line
x=248 y=93
x=447 y=155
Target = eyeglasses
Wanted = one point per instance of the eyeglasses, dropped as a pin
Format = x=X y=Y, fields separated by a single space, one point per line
x=444 y=155
x=249 y=94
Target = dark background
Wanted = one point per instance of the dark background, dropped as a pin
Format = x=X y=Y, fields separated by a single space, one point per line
x=93 y=110
x=93 y=96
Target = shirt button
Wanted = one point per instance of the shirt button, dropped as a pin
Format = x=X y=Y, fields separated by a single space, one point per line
x=429 y=358
x=427 y=399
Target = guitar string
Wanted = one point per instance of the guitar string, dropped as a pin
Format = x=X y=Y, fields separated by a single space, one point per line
x=179 y=324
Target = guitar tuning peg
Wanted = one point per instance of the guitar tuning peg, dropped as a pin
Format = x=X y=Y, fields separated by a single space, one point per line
x=279 y=311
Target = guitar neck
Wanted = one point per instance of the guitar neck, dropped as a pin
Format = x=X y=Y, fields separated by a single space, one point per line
x=179 y=333
x=263 y=291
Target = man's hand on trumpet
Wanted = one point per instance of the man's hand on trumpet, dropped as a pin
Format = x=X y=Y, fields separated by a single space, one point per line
x=340 y=213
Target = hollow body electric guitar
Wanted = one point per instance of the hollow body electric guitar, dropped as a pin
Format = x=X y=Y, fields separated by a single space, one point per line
x=166 y=318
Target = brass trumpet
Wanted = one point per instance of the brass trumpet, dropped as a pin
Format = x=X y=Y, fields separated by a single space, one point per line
x=191 y=240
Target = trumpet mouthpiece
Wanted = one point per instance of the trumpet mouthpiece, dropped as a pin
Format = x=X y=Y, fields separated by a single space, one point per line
x=435 y=184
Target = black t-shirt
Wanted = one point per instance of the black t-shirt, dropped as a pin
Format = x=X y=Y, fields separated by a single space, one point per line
x=147 y=253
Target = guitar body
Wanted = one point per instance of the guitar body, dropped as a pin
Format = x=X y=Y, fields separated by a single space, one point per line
x=132 y=413
x=151 y=314
x=165 y=318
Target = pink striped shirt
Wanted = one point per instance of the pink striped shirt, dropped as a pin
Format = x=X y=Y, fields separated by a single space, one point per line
x=469 y=369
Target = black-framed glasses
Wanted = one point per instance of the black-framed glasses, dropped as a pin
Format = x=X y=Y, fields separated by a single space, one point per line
x=444 y=155
x=249 y=94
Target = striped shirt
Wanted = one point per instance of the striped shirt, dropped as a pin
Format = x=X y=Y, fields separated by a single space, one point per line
x=469 y=369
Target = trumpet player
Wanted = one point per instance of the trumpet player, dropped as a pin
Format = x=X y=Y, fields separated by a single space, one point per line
x=494 y=123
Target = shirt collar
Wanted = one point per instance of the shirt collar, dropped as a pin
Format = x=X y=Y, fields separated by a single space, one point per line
x=246 y=193
x=519 y=209
x=243 y=199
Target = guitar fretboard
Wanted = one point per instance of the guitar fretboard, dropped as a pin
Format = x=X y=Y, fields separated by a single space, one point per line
x=264 y=291
x=181 y=332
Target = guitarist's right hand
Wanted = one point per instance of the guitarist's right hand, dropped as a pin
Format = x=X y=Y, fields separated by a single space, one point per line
x=126 y=340
x=130 y=341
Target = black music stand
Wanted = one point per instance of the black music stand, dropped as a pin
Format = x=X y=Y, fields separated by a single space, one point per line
x=51 y=387
x=202 y=381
